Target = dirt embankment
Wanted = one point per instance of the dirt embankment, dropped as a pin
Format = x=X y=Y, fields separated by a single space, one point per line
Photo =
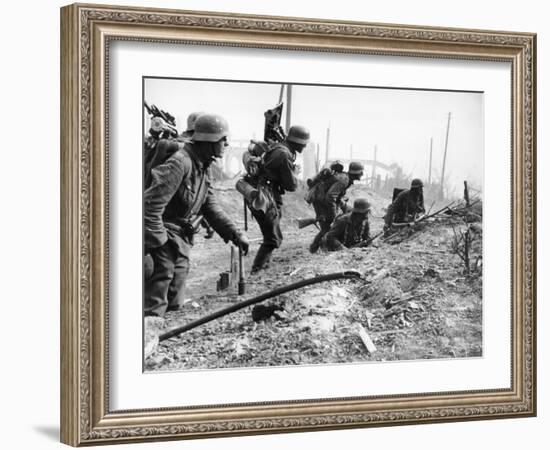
x=416 y=301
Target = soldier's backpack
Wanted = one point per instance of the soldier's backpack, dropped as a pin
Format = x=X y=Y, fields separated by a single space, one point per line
x=396 y=192
x=160 y=153
x=253 y=158
x=319 y=185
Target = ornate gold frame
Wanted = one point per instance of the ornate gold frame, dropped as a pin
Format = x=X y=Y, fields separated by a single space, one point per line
x=86 y=31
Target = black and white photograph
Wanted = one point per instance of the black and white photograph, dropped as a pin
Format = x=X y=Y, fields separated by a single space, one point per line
x=294 y=224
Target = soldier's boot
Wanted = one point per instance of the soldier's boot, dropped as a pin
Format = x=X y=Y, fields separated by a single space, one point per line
x=262 y=259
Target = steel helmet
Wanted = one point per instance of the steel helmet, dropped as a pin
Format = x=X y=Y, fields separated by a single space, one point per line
x=356 y=168
x=416 y=183
x=361 y=205
x=210 y=128
x=298 y=134
x=191 y=119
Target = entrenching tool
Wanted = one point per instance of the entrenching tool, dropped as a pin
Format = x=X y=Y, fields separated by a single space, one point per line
x=242 y=283
x=245 y=212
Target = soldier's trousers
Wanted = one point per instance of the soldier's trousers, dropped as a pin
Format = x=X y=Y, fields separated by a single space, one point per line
x=270 y=226
x=326 y=217
x=165 y=288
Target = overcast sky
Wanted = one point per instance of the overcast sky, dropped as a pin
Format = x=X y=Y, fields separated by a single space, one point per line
x=399 y=122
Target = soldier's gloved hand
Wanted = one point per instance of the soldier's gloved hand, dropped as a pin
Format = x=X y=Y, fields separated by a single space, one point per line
x=241 y=241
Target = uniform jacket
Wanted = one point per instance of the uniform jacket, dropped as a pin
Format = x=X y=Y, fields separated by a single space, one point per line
x=347 y=230
x=404 y=205
x=181 y=189
x=339 y=183
x=279 y=168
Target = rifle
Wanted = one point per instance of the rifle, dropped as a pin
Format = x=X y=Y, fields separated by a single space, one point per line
x=302 y=223
x=165 y=122
x=424 y=217
x=368 y=241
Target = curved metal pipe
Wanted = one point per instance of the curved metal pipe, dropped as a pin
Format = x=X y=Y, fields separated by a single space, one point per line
x=259 y=298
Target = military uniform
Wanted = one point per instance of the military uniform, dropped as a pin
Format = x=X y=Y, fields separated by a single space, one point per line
x=326 y=206
x=180 y=190
x=347 y=230
x=277 y=177
x=404 y=208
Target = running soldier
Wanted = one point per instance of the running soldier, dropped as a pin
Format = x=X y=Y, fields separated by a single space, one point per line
x=328 y=199
x=179 y=196
x=277 y=175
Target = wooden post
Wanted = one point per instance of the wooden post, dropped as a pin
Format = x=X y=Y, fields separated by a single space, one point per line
x=467 y=242
x=373 y=172
x=466 y=194
x=288 y=106
x=327 y=147
x=430 y=169
x=317 y=161
x=281 y=92
x=445 y=157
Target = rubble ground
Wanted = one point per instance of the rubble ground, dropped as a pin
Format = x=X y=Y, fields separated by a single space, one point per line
x=416 y=302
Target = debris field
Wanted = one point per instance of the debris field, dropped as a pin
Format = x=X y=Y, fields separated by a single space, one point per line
x=416 y=299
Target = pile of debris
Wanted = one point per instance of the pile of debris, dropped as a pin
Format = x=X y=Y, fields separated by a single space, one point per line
x=420 y=298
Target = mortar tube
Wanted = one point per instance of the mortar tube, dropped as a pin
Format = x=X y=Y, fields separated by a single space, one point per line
x=259 y=298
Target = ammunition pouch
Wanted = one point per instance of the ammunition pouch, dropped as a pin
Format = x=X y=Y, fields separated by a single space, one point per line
x=184 y=228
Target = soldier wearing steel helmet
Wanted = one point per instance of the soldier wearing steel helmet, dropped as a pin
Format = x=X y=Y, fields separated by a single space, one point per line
x=191 y=120
x=179 y=193
x=351 y=229
x=406 y=206
x=278 y=175
x=329 y=199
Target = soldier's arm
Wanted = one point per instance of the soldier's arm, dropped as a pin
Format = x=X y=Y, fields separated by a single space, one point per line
x=389 y=215
x=217 y=218
x=165 y=181
x=335 y=235
x=334 y=193
x=421 y=209
x=366 y=232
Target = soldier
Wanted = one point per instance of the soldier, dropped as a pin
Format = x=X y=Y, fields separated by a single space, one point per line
x=160 y=153
x=406 y=205
x=191 y=119
x=351 y=229
x=277 y=175
x=179 y=194
x=155 y=134
x=329 y=198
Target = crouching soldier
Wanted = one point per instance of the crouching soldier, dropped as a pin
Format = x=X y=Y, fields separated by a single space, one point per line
x=328 y=199
x=277 y=175
x=351 y=229
x=179 y=195
x=406 y=206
